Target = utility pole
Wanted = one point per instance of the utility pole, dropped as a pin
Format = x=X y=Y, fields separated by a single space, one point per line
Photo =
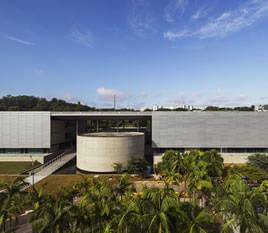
x=114 y=102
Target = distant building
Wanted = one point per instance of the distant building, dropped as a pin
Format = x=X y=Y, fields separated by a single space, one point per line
x=155 y=107
x=260 y=108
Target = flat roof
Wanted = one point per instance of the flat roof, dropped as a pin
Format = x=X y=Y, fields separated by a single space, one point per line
x=92 y=114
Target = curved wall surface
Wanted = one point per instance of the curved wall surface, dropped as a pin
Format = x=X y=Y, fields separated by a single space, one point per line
x=97 y=152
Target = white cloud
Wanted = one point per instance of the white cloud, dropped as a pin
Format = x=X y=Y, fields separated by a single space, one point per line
x=140 y=24
x=84 y=37
x=18 y=40
x=203 y=99
x=226 y=23
x=174 y=8
x=108 y=94
x=140 y=20
x=200 y=13
x=38 y=71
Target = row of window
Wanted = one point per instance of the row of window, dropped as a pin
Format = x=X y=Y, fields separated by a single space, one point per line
x=23 y=150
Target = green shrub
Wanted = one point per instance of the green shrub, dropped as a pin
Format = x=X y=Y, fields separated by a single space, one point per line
x=118 y=167
x=137 y=166
x=251 y=172
x=259 y=160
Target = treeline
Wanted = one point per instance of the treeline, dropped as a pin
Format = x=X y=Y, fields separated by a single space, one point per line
x=208 y=108
x=242 y=108
x=32 y=103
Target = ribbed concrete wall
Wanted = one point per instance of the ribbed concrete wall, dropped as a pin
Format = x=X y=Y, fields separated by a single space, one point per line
x=24 y=129
x=210 y=129
x=97 y=152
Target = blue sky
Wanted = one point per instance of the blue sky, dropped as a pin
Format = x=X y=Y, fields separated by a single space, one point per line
x=166 y=52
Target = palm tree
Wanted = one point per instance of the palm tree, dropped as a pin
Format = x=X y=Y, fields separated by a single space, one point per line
x=237 y=204
x=199 y=220
x=154 y=211
x=12 y=202
x=215 y=165
x=123 y=187
x=260 y=204
x=100 y=204
x=52 y=214
x=132 y=220
x=163 y=210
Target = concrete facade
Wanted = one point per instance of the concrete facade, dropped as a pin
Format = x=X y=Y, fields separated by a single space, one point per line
x=46 y=131
x=210 y=130
x=97 y=152
x=24 y=130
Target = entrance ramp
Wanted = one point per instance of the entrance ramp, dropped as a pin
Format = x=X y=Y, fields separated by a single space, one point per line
x=48 y=168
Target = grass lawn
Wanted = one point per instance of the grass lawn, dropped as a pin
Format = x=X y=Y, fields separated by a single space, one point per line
x=8 y=179
x=55 y=183
x=15 y=167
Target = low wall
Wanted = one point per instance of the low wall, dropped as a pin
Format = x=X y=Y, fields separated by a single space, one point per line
x=236 y=157
x=228 y=157
x=23 y=157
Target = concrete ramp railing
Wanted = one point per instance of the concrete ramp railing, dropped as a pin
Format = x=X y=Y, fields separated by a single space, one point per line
x=38 y=169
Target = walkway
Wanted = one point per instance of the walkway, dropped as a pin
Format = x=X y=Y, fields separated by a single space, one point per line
x=48 y=168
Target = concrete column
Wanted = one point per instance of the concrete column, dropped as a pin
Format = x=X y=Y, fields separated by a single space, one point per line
x=77 y=127
x=116 y=125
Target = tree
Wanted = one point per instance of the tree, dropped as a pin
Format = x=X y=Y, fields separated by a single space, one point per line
x=237 y=204
x=123 y=188
x=171 y=160
x=31 y=103
x=215 y=165
x=52 y=214
x=154 y=211
x=188 y=169
x=12 y=202
x=199 y=220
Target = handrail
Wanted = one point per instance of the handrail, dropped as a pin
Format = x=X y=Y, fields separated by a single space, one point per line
x=38 y=169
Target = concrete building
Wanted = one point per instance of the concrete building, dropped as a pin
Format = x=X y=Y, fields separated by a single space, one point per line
x=39 y=135
x=98 y=152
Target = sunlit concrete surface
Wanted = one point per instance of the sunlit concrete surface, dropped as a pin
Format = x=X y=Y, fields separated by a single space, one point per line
x=97 y=152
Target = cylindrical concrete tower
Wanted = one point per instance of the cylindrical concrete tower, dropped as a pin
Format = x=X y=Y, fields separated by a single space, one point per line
x=97 y=152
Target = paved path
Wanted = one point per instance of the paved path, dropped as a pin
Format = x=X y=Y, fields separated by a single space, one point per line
x=47 y=169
